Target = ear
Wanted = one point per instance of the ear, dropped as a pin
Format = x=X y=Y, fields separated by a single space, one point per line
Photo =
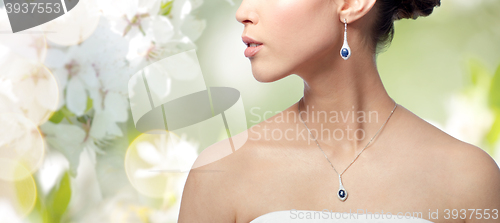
x=352 y=10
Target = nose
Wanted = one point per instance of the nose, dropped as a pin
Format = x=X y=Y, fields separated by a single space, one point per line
x=246 y=13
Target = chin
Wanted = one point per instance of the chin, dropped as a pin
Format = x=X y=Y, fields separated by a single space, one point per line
x=267 y=76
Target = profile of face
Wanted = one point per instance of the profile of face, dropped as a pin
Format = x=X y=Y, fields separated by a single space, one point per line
x=298 y=36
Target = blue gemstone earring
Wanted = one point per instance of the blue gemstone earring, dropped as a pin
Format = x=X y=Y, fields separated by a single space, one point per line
x=345 y=51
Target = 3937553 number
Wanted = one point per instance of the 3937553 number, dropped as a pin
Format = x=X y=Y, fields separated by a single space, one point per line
x=474 y=214
x=34 y=7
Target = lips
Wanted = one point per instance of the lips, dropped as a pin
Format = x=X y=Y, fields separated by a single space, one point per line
x=253 y=46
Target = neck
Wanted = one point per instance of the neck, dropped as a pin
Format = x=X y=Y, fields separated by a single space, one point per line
x=349 y=99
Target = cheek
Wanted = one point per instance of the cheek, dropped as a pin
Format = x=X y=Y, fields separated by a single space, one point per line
x=299 y=29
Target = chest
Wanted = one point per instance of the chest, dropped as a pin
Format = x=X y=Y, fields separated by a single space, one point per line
x=373 y=184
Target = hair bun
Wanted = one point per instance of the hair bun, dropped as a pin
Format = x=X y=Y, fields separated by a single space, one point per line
x=412 y=9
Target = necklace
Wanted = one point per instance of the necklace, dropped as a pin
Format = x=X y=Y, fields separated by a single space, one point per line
x=342 y=192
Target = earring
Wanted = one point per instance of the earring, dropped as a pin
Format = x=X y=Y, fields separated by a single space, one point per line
x=345 y=51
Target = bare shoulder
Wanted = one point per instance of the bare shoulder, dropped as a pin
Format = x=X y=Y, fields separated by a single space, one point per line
x=474 y=184
x=211 y=189
x=468 y=174
x=477 y=181
x=216 y=183
x=205 y=198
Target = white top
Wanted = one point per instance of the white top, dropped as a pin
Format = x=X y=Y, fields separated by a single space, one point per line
x=305 y=216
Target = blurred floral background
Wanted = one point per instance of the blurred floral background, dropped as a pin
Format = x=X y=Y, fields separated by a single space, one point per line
x=69 y=151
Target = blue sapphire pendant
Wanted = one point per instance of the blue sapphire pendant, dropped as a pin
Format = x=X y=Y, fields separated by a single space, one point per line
x=342 y=193
x=345 y=51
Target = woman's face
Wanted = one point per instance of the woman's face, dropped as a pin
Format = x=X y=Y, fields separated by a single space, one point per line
x=298 y=36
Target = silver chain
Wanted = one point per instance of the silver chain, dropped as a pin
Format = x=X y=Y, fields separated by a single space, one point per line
x=340 y=175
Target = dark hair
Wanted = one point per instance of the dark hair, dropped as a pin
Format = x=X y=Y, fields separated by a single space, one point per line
x=389 y=11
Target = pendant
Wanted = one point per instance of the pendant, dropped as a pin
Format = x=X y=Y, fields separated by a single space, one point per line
x=345 y=51
x=342 y=193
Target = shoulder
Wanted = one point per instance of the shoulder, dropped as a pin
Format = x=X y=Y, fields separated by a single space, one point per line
x=211 y=190
x=465 y=173
x=219 y=177
x=477 y=179
x=469 y=174
x=473 y=184
x=205 y=196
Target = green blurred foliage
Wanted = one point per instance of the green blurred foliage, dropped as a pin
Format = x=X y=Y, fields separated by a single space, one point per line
x=494 y=96
x=62 y=113
x=484 y=83
x=166 y=7
x=51 y=208
x=494 y=102
x=22 y=193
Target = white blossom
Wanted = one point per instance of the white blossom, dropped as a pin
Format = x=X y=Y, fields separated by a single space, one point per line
x=99 y=73
x=469 y=117
x=67 y=139
x=166 y=153
x=8 y=213
x=28 y=88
